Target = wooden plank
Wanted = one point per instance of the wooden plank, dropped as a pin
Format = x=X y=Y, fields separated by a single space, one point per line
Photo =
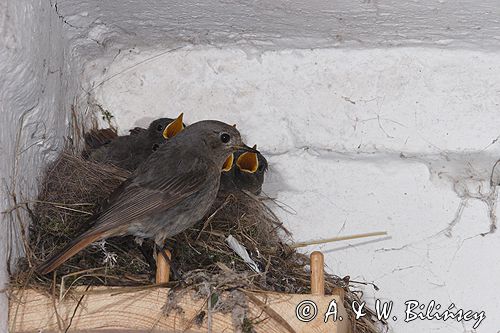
x=105 y=310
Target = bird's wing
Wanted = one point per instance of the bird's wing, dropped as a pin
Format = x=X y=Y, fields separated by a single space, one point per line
x=139 y=200
x=137 y=130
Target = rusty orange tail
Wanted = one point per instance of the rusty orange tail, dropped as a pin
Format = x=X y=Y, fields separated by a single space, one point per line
x=68 y=251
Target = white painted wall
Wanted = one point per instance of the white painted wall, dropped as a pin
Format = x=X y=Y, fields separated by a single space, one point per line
x=361 y=136
x=36 y=87
x=286 y=23
x=399 y=140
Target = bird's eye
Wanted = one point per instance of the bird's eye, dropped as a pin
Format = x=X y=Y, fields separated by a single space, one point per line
x=224 y=137
x=156 y=146
x=159 y=128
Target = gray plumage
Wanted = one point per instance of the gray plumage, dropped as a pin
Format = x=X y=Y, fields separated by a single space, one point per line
x=172 y=190
x=129 y=151
x=241 y=179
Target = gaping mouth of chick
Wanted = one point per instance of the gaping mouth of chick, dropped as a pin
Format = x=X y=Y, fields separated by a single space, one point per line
x=248 y=162
x=228 y=164
x=173 y=128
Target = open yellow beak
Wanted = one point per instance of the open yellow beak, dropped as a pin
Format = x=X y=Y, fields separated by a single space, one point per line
x=173 y=128
x=248 y=161
x=228 y=164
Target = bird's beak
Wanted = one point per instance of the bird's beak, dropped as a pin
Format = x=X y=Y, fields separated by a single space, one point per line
x=173 y=128
x=248 y=161
x=228 y=164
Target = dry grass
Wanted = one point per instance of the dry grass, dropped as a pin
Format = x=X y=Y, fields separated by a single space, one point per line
x=75 y=189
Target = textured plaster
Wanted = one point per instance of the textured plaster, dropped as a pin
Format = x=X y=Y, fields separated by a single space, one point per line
x=285 y=24
x=361 y=136
x=401 y=140
x=35 y=92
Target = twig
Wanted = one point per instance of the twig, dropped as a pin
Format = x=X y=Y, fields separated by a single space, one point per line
x=270 y=312
x=74 y=311
x=62 y=289
x=210 y=218
x=27 y=248
x=60 y=321
x=19 y=300
x=24 y=204
x=337 y=239
x=209 y=312
x=74 y=210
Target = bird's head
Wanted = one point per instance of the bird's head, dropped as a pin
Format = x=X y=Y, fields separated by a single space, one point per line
x=220 y=139
x=249 y=170
x=166 y=128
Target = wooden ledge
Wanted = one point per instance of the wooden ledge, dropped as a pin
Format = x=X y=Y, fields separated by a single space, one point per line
x=103 y=309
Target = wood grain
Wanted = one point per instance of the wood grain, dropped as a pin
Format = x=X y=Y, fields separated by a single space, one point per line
x=317 y=273
x=106 y=310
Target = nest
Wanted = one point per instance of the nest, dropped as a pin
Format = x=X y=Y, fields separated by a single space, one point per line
x=74 y=189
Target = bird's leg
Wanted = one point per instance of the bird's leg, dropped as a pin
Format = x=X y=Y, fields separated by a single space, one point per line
x=146 y=252
x=164 y=265
x=175 y=272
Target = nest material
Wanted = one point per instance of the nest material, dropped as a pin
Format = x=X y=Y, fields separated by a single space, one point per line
x=75 y=189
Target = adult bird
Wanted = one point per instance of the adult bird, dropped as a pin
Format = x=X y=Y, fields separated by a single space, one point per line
x=170 y=192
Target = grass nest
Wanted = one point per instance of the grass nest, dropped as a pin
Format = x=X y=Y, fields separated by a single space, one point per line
x=74 y=189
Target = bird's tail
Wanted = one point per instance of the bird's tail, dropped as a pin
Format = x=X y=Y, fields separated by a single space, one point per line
x=68 y=251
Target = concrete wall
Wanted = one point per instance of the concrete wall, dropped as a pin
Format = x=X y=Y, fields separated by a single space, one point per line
x=283 y=23
x=401 y=140
x=36 y=88
x=361 y=136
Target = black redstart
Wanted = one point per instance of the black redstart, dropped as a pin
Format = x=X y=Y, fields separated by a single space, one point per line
x=98 y=138
x=160 y=125
x=129 y=151
x=247 y=172
x=172 y=190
